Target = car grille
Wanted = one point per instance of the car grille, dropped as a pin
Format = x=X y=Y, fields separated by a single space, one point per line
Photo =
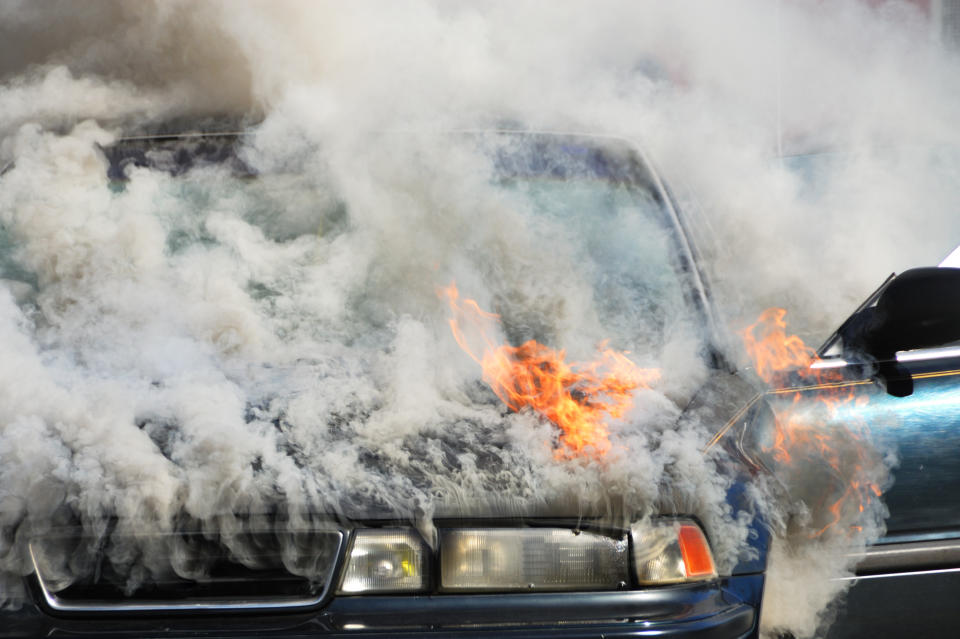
x=185 y=571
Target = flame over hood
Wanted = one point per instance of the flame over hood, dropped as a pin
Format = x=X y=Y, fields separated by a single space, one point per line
x=578 y=396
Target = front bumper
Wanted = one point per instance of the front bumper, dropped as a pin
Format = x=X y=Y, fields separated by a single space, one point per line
x=725 y=608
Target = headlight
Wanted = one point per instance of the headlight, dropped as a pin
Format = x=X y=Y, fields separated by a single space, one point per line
x=385 y=560
x=671 y=551
x=481 y=559
x=531 y=558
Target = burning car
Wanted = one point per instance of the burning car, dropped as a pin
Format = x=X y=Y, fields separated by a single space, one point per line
x=235 y=415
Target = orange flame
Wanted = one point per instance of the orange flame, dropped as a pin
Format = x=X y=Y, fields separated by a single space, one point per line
x=577 y=397
x=771 y=349
x=804 y=435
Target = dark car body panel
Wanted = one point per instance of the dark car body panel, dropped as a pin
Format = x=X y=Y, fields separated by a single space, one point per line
x=910 y=604
x=910 y=579
x=922 y=430
x=925 y=495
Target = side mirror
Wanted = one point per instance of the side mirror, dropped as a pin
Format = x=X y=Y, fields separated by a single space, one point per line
x=920 y=308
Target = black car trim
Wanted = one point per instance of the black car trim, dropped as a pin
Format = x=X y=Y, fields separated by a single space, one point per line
x=835 y=336
x=905 y=537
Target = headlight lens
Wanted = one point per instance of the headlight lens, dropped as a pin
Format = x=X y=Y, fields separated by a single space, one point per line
x=385 y=560
x=671 y=551
x=531 y=558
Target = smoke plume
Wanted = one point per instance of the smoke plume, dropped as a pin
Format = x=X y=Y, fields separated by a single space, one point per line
x=206 y=345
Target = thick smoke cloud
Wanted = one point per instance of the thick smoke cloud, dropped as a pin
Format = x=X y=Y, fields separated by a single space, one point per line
x=715 y=92
x=163 y=345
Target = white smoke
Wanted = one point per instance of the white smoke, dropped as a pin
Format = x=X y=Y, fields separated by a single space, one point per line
x=208 y=346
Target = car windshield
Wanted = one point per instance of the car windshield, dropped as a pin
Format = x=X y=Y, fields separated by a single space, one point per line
x=620 y=245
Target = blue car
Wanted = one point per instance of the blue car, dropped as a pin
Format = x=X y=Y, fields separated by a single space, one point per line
x=561 y=568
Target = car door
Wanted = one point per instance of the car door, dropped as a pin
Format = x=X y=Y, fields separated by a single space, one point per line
x=908 y=399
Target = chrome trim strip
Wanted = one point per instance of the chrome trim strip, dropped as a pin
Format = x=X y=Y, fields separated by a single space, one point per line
x=59 y=605
x=911 y=573
x=829 y=363
x=920 y=355
x=910 y=555
x=733 y=420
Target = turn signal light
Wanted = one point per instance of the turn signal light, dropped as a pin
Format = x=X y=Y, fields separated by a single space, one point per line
x=671 y=551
